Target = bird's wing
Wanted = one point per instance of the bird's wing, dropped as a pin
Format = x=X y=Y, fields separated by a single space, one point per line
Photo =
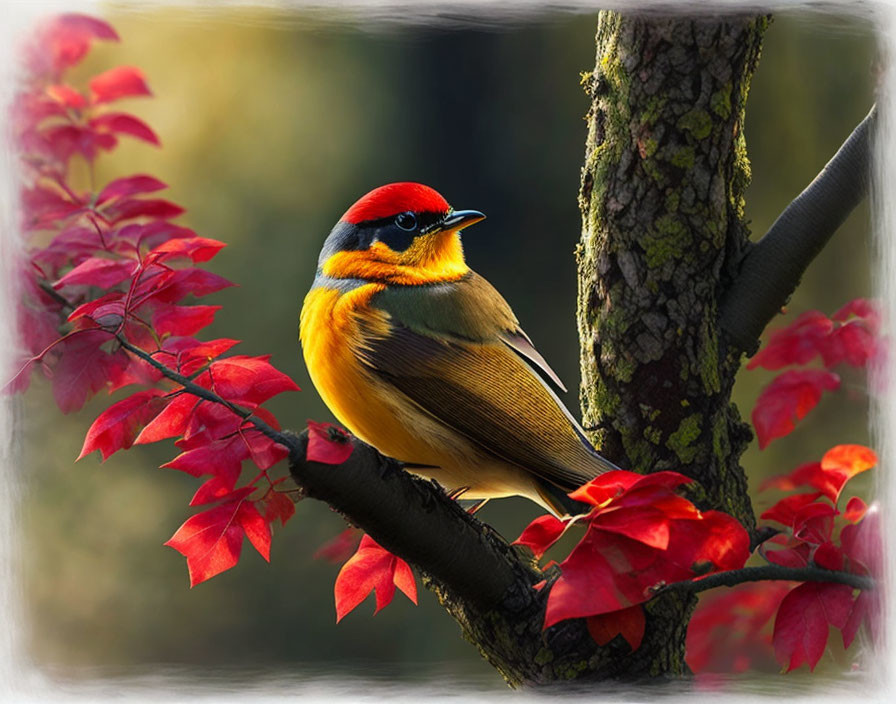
x=477 y=383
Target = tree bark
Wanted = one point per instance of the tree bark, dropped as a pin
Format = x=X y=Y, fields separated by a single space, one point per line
x=662 y=198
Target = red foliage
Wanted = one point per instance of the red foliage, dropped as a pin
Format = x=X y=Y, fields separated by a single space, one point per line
x=850 y=336
x=372 y=568
x=788 y=399
x=103 y=306
x=811 y=521
x=640 y=536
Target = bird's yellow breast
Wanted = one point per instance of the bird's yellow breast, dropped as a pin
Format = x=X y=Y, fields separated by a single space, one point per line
x=331 y=338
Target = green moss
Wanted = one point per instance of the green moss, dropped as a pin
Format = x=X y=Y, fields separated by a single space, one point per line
x=670 y=240
x=648 y=147
x=697 y=122
x=683 y=158
x=680 y=442
x=653 y=435
x=653 y=110
x=672 y=200
x=720 y=101
x=709 y=359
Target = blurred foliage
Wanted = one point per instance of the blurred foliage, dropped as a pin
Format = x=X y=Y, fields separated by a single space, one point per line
x=271 y=127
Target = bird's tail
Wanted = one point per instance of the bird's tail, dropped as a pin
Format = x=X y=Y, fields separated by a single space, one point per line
x=557 y=501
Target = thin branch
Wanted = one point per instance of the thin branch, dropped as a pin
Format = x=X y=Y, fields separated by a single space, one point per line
x=770 y=573
x=281 y=438
x=773 y=267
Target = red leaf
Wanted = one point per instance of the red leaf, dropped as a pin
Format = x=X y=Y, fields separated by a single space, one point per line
x=245 y=379
x=191 y=355
x=855 y=510
x=797 y=556
x=798 y=343
x=171 y=422
x=829 y=556
x=801 y=627
x=222 y=458
x=123 y=123
x=116 y=83
x=645 y=524
x=786 y=509
x=629 y=623
x=100 y=272
x=212 y=540
x=787 y=399
x=339 y=548
x=372 y=568
x=609 y=485
x=277 y=506
x=198 y=249
x=813 y=523
x=130 y=186
x=854 y=343
x=83 y=368
x=182 y=320
x=117 y=427
x=841 y=463
x=327 y=443
x=67 y=96
x=67 y=140
x=63 y=41
x=175 y=285
x=128 y=208
x=540 y=534
x=860 y=307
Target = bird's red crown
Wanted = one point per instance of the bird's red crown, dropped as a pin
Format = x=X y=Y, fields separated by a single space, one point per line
x=394 y=198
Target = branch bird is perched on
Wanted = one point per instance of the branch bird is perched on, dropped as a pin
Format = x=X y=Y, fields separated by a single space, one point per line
x=422 y=358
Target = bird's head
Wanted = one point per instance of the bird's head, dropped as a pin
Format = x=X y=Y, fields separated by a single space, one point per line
x=401 y=233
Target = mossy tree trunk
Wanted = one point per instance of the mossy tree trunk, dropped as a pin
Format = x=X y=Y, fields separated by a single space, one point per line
x=662 y=198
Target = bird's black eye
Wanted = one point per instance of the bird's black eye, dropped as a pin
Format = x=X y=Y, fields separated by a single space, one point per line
x=406 y=221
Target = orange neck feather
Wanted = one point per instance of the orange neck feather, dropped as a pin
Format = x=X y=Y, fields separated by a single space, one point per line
x=430 y=259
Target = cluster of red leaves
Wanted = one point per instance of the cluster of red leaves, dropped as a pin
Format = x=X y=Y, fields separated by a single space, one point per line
x=850 y=336
x=818 y=534
x=105 y=289
x=640 y=536
x=731 y=630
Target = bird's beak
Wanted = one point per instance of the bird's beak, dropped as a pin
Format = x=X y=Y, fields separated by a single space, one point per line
x=459 y=219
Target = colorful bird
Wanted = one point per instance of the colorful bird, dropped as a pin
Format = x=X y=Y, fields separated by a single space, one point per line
x=419 y=356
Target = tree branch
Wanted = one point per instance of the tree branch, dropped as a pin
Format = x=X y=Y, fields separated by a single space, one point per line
x=768 y=573
x=771 y=270
x=414 y=519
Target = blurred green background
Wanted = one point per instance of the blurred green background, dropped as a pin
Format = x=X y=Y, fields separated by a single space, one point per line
x=272 y=125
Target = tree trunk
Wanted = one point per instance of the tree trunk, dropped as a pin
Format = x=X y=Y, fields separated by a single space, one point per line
x=662 y=205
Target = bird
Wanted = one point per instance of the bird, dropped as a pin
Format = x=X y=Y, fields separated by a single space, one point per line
x=421 y=357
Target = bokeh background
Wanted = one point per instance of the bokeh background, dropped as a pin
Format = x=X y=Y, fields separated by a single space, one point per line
x=272 y=124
